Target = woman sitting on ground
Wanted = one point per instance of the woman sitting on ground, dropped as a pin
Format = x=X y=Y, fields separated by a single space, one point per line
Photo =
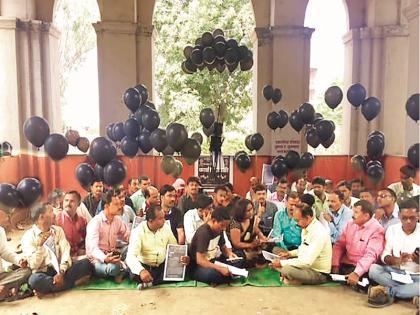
x=243 y=231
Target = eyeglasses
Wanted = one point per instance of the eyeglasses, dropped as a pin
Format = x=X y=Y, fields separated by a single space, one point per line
x=384 y=196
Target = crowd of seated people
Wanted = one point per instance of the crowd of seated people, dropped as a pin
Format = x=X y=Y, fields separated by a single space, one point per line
x=313 y=227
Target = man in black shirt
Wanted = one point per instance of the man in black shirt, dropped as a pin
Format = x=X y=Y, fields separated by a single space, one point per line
x=204 y=247
x=172 y=213
x=189 y=200
x=133 y=186
x=93 y=201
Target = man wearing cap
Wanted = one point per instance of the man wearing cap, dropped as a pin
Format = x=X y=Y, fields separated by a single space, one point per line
x=406 y=188
x=194 y=218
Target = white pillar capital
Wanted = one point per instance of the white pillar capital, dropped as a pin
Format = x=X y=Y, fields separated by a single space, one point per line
x=292 y=31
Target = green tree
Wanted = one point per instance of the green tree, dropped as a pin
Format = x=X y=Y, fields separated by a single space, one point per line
x=180 y=97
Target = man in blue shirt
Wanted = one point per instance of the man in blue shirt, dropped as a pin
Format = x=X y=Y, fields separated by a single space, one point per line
x=285 y=226
x=338 y=214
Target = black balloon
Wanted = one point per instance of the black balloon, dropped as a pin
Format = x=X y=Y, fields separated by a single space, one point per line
x=168 y=150
x=207 y=117
x=187 y=51
x=209 y=55
x=358 y=162
x=375 y=173
x=373 y=162
x=114 y=172
x=8 y=196
x=144 y=93
x=268 y=92
x=191 y=150
x=279 y=168
x=238 y=153
x=139 y=113
x=295 y=121
x=131 y=99
x=333 y=96
x=257 y=141
x=144 y=141
x=56 y=146
x=132 y=128
x=248 y=143
x=118 y=131
x=413 y=155
x=36 y=130
x=318 y=117
x=356 y=94
x=218 y=32
x=276 y=96
x=207 y=39
x=412 y=107
x=375 y=147
x=129 y=146
x=110 y=131
x=176 y=136
x=371 y=108
x=231 y=56
x=307 y=113
x=102 y=151
x=272 y=120
x=292 y=159
x=85 y=174
x=327 y=143
x=197 y=136
x=150 y=119
x=168 y=164
x=377 y=133
x=29 y=190
x=312 y=137
x=72 y=137
x=6 y=149
x=208 y=131
x=99 y=172
x=246 y=63
x=306 y=160
x=243 y=161
x=283 y=119
x=324 y=129
x=197 y=57
x=158 y=139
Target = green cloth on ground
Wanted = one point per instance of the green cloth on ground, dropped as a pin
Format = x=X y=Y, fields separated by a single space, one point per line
x=265 y=277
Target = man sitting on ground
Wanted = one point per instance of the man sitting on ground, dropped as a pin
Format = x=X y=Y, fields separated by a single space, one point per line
x=388 y=212
x=285 y=226
x=345 y=189
x=74 y=226
x=280 y=195
x=152 y=197
x=250 y=195
x=138 y=198
x=103 y=231
x=194 y=218
x=313 y=257
x=132 y=188
x=338 y=215
x=406 y=188
x=93 y=201
x=52 y=268
x=265 y=210
x=147 y=248
x=172 y=214
x=321 y=199
x=189 y=200
x=360 y=244
x=219 y=196
x=204 y=247
x=401 y=255
x=356 y=187
x=368 y=195
x=301 y=186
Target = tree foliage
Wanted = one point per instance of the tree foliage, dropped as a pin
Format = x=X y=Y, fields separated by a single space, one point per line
x=180 y=96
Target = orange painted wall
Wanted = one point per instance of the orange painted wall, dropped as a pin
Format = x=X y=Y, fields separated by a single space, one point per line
x=61 y=174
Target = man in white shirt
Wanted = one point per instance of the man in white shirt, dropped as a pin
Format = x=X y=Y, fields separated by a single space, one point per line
x=194 y=218
x=388 y=211
x=400 y=256
x=253 y=181
x=312 y=260
x=406 y=188
x=279 y=196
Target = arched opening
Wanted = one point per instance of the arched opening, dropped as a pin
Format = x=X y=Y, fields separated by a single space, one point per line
x=78 y=65
x=327 y=63
x=179 y=96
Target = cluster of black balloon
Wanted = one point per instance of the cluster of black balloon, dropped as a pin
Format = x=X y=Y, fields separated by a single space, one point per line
x=242 y=160
x=371 y=106
x=213 y=51
x=37 y=132
x=74 y=139
x=5 y=149
x=24 y=194
x=273 y=94
x=254 y=141
x=413 y=155
x=171 y=166
x=412 y=107
x=280 y=165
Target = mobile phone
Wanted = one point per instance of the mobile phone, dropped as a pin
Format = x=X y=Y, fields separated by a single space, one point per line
x=116 y=253
x=416 y=251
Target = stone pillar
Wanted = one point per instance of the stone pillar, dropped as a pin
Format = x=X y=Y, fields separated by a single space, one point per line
x=412 y=14
x=29 y=77
x=377 y=58
x=290 y=73
x=117 y=69
x=145 y=38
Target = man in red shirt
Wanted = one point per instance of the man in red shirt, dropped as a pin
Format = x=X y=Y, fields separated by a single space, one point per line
x=74 y=226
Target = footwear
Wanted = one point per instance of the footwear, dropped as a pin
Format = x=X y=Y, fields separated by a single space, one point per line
x=416 y=301
x=290 y=281
x=379 y=297
x=142 y=285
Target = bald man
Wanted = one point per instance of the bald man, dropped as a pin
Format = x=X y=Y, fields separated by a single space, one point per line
x=152 y=197
x=253 y=181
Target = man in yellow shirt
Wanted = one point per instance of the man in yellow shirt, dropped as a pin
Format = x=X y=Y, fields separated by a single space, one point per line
x=311 y=262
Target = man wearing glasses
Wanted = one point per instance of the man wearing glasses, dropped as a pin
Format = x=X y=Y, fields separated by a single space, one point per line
x=388 y=212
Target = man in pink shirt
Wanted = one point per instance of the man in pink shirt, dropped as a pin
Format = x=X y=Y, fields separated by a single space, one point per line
x=74 y=226
x=103 y=231
x=360 y=244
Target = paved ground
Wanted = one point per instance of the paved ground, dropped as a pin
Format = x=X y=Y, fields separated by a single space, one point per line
x=232 y=300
